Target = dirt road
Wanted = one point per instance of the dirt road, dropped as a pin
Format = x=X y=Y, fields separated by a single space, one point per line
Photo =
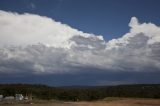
x=120 y=102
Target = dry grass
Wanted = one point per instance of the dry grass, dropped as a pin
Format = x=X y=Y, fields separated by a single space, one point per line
x=105 y=102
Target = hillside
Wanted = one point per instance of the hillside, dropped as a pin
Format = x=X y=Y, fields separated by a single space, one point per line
x=82 y=93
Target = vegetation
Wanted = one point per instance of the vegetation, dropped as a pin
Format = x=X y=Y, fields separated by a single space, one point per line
x=82 y=93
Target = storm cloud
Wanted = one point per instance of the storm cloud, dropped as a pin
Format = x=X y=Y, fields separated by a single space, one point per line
x=38 y=45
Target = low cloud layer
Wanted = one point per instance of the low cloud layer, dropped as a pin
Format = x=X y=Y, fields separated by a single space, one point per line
x=34 y=44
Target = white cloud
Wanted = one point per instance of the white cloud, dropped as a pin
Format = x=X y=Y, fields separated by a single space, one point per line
x=134 y=22
x=42 y=45
x=24 y=29
x=33 y=6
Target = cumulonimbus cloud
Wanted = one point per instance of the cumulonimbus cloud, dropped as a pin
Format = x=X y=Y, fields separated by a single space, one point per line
x=36 y=44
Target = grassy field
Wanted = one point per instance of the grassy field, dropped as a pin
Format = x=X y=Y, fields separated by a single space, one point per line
x=105 y=102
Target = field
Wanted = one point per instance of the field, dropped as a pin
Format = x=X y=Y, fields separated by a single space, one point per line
x=105 y=102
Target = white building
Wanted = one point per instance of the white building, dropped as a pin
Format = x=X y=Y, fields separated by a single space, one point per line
x=19 y=97
x=26 y=98
x=1 y=97
x=9 y=98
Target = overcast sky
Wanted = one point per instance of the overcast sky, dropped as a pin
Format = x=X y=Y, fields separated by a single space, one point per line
x=79 y=42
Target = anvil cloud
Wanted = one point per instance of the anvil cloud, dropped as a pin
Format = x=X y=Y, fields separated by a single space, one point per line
x=34 y=44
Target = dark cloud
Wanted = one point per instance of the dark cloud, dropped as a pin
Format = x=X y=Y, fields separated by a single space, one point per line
x=58 y=54
x=87 y=77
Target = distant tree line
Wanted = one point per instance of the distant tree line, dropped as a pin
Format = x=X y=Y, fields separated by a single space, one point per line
x=83 y=92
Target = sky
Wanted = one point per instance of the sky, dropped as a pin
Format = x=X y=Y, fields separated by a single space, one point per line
x=110 y=16
x=79 y=42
